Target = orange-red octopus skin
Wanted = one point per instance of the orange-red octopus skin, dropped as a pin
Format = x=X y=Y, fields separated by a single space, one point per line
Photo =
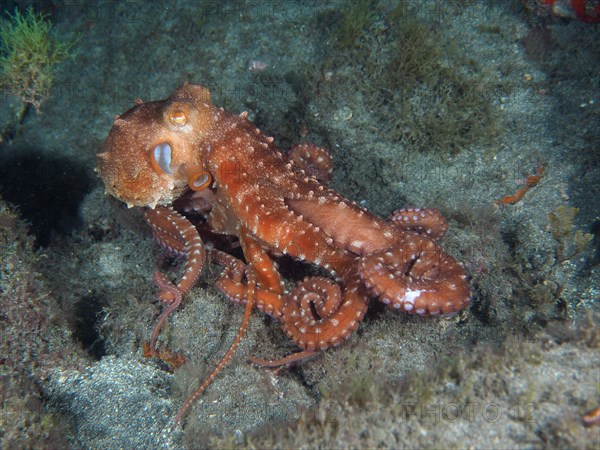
x=157 y=151
x=186 y=150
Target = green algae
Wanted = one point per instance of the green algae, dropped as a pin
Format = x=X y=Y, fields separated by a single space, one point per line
x=426 y=94
x=569 y=244
x=29 y=54
x=355 y=18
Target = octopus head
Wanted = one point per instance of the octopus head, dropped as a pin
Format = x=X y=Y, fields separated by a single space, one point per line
x=152 y=153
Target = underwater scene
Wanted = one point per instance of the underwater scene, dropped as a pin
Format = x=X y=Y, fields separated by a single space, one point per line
x=278 y=224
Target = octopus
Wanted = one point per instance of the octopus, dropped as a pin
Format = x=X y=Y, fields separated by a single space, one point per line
x=184 y=155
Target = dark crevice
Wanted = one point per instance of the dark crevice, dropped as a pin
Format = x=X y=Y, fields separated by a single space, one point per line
x=87 y=318
x=47 y=191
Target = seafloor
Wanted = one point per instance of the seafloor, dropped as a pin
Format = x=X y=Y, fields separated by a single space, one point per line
x=437 y=103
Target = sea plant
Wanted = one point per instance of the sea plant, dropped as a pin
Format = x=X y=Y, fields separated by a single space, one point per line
x=29 y=54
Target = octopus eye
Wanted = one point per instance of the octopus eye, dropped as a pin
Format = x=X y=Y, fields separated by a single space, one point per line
x=161 y=158
x=178 y=118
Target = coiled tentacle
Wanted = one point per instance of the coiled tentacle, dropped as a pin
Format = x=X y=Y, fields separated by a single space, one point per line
x=318 y=315
x=416 y=277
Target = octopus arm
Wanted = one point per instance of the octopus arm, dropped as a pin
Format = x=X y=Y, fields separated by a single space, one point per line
x=265 y=272
x=318 y=314
x=348 y=225
x=276 y=227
